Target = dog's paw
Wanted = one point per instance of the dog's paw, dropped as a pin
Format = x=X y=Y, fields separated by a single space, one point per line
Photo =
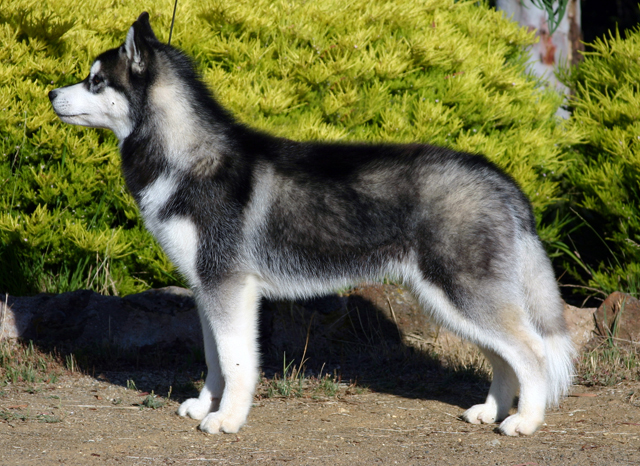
x=481 y=414
x=518 y=424
x=217 y=422
x=195 y=408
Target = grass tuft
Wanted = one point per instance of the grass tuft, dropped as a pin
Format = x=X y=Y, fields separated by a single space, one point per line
x=153 y=401
x=609 y=362
x=294 y=383
x=24 y=363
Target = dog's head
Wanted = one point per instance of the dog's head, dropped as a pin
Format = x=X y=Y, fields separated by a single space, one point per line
x=110 y=96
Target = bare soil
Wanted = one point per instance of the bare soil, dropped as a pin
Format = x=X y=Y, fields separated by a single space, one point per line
x=88 y=420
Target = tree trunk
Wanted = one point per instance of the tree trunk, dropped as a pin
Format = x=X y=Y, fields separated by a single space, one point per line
x=561 y=47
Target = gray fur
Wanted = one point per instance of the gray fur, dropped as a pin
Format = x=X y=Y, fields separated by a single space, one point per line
x=244 y=214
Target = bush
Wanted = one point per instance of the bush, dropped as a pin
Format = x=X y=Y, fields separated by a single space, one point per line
x=438 y=71
x=605 y=181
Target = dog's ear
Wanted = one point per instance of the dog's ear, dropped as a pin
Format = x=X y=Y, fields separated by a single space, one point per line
x=136 y=45
x=143 y=26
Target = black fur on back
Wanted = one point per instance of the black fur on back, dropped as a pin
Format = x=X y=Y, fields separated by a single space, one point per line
x=325 y=218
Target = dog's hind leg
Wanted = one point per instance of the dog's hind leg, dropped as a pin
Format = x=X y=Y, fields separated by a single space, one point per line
x=517 y=354
x=503 y=390
x=523 y=349
x=543 y=331
x=516 y=351
x=230 y=312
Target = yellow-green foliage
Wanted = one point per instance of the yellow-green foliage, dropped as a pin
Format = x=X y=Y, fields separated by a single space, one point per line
x=437 y=71
x=606 y=180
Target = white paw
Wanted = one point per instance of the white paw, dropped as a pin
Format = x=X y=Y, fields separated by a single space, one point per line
x=481 y=414
x=217 y=422
x=518 y=424
x=195 y=408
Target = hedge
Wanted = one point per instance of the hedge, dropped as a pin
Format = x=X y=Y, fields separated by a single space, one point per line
x=444 y=72
x=604 y=182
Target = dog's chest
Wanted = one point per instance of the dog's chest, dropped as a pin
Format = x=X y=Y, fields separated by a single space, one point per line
x=178 y=235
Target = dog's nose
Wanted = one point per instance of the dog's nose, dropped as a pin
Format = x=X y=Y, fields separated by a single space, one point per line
x=53 y=94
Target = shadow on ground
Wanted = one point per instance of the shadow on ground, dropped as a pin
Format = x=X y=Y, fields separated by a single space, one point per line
x=362 y=338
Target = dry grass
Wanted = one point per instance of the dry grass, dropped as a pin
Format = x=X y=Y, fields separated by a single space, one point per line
x=25 y=363
x=608 y=362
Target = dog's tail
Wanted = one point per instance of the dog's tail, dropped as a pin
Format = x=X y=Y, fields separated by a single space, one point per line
x=546 y=311
x=559 y=353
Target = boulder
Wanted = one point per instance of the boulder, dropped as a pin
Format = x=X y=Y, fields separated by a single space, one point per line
x=581 y=324
x=168 y=315
x=86 y=318
x=619 y=316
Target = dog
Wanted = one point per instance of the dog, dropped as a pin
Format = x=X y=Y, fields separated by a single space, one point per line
x=243 y=214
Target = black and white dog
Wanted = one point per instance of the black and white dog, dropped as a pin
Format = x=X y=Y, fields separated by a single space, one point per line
x=243 y=214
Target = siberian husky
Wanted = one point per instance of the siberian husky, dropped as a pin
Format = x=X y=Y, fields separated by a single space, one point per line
x=243 y=214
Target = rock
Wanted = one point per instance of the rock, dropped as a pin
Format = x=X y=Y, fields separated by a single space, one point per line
x=581 y=324
x=619 y=316
x=414 y=325
x=367 y=314
x=418 y=330
x=86 y=318
x=397 y=304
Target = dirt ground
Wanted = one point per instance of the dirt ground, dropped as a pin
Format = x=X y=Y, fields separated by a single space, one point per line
x=408 y=383
x=83 y=420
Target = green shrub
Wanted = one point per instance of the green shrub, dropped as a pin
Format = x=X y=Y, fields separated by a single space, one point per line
x=439 y=71
x=605 y=181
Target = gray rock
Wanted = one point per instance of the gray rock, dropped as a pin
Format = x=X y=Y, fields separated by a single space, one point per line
x=581 y=324
x=87 y=318
x=168 y=315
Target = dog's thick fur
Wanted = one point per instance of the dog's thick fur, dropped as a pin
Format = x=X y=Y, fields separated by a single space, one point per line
x=243 y=215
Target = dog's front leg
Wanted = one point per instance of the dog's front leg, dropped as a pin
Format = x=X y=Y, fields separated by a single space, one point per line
x=211 y=393
x=229 y=313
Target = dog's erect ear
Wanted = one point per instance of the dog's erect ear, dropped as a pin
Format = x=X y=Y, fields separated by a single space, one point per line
x=143 y=26
x=136 y=45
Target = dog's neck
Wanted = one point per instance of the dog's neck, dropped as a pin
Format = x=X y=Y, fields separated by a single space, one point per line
x=191 y=140
x=180 y=133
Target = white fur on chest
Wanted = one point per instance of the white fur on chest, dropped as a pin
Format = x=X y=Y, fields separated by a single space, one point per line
x=177 y=235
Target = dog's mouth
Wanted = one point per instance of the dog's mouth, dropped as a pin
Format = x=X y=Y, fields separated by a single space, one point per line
x=70 y=115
